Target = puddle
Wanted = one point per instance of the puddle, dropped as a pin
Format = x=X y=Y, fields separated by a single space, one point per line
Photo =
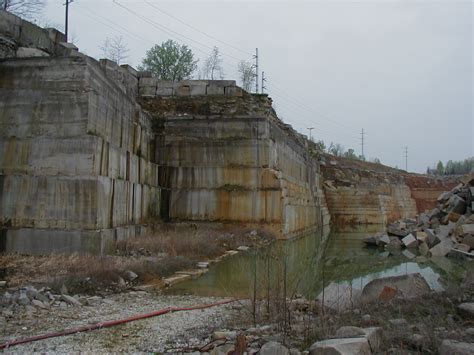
x=308 y=265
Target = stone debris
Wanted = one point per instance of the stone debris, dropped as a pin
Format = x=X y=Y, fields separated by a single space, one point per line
x=467 y=310
x=273 y=348
x=31 y=299
x=341 y=346
x=130 y=275
x=203 y=264
x=387 y=288
x=450 y=347
x=447 y=230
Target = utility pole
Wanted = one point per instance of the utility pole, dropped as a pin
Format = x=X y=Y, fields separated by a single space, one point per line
x=256 y=70
x=310 y=129
x=264 y=80
x=406 y=158
x=362 y=142
x=66 y=21
x=5 y=4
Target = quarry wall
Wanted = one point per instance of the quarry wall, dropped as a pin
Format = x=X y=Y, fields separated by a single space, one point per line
x=76 y=152
x=366 y=193
x=225 y=157
x=92 y=153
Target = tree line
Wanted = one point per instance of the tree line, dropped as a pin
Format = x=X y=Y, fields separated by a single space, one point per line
x=169 y=60
x=452 y=167
x=173 y=61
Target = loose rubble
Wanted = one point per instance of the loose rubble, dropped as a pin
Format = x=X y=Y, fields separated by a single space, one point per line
x=447 y=230
x=43 y=298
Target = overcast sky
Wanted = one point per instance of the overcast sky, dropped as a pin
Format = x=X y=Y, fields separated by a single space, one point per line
x=401 y=70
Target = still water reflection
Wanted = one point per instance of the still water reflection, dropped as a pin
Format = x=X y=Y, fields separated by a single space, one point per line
x=327 y=259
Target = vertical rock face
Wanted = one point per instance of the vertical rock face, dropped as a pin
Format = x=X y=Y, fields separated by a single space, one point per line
x=229 y=159
x=76 y=154
x=367 y=193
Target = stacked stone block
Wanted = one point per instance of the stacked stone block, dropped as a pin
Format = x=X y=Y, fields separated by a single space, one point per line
x=240 y=169
x=76 y=156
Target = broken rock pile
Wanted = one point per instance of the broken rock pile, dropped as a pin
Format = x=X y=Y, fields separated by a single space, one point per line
x=31 y=299
x=447 y=230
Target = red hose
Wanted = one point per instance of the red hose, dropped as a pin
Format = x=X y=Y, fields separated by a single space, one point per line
x=111 y=323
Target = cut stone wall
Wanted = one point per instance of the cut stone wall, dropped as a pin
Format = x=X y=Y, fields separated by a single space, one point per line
x=228 y=159
x=365 y=193
x=76 y=156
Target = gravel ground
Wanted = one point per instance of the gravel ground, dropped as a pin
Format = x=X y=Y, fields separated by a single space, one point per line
x=168 y=332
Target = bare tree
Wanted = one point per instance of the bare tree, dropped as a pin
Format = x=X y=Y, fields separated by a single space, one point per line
x=115 y=49
x=247 y=75
x=212 y=66
x=28 y=9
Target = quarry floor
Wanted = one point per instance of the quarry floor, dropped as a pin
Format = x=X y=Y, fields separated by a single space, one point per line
x=178 y=330
x=409 y=326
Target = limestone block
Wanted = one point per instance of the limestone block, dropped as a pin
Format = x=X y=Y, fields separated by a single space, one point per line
x=117 y=167
x=142 y=166
x=233 y=91
x=34 y=36
x=25 y=52
x=127 y=135
x=133 y=168
x=74 y=156
x=229 y=129
x=341 y=346
x=226 y=177
x=213 y=89
x=222 y=83
x=122 y=202
x=55 y=36
x=130 y=70
x=10 y=25
x=144 y=81
x=449 y=347
x=46 y=241
x=164 y=91
x=54 y=202
x=137 y=138
x=48 y=114
x=147 y=91
x=224 y=205
x=212 y=153
x=198 y=89
x=137 y=203
x=182 y=90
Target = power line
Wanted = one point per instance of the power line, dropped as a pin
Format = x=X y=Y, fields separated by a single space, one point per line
x=308 y=108
x=196 y=29
x=169 y=31
x=113 y=25
x=322 y=114
x=305 y=111
x=288 y=112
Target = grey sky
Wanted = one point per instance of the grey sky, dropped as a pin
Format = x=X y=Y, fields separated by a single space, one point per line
x=402 y=70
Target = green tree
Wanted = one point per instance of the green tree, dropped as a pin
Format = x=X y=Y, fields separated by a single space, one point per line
x=320 y=146
x=350 y=154
x=440 y=168
x=170 y=61
x=336 y=149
